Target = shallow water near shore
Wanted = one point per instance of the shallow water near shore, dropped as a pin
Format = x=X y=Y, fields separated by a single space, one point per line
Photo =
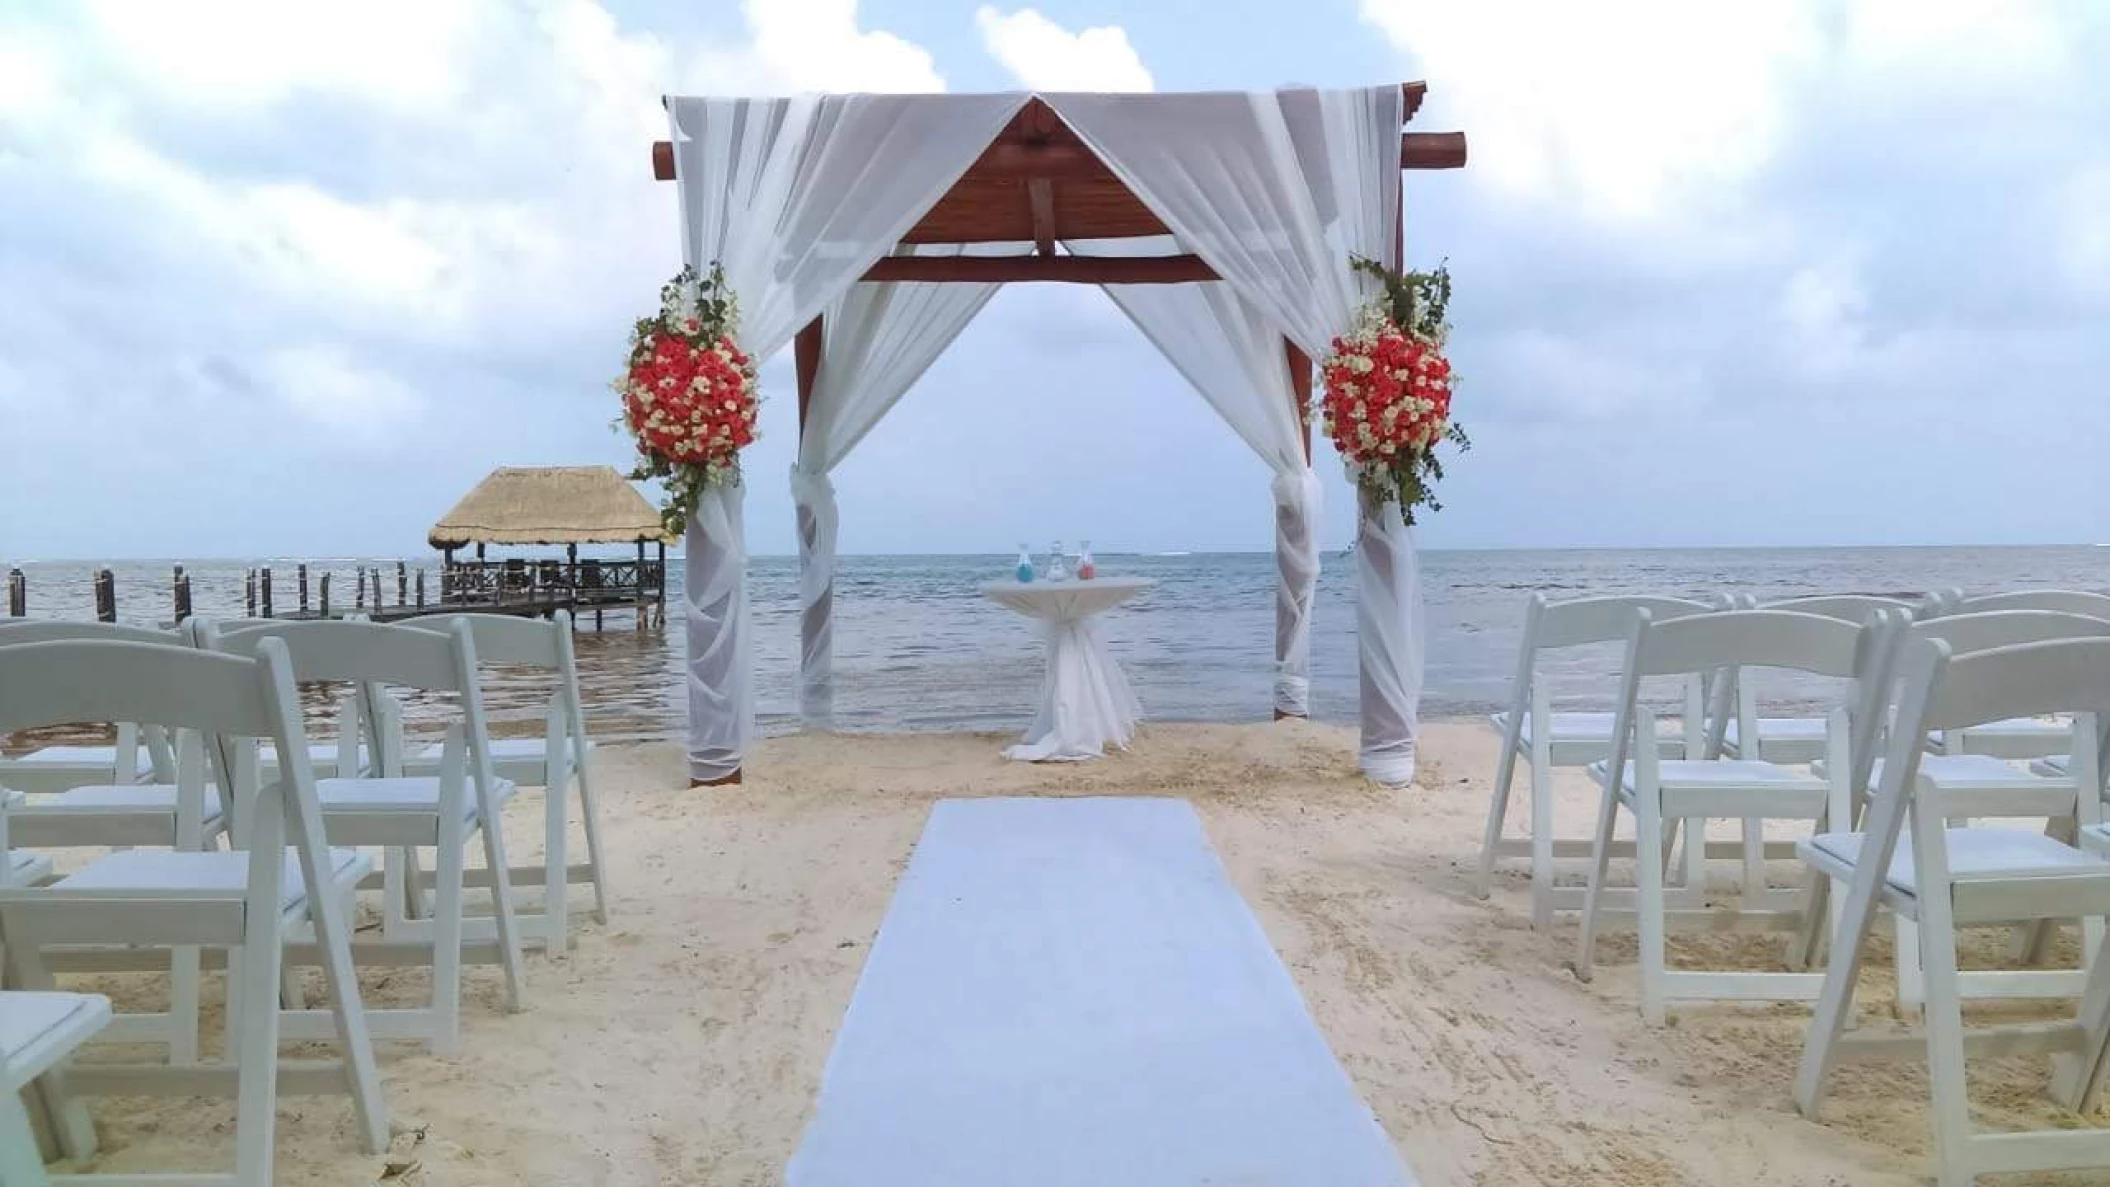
x=918 y=648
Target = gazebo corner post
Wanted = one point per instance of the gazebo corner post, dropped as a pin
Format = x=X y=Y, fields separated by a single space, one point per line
x=1296 y=555
x=817 y=616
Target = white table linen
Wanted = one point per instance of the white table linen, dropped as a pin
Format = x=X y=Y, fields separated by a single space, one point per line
x=1085 y=702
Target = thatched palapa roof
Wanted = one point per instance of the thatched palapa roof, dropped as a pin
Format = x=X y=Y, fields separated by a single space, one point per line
x=549 y=505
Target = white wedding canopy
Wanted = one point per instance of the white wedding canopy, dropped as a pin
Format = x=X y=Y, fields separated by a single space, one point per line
x=874 y=227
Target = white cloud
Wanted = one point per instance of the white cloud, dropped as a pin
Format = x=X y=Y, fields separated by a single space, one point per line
x=814 y=45
x=1045 y=56
x=238 y=53
x=323 y=384
x=1622 y=103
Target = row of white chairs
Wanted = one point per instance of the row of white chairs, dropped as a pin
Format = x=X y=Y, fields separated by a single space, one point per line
x=224 y=700
x=1926 y=686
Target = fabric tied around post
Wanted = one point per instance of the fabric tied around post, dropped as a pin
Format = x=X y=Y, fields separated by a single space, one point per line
x=720 y=668
x=813 y=495
x=1388 y=614
x=1297 y=501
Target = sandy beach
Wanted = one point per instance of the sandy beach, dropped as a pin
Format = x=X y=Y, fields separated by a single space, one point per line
x=684 y=1041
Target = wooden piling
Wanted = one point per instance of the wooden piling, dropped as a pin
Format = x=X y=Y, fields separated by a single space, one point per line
x=421 y=589
x=17 y=594
x=263 y=588
x=105 y=596
x=249 y=594
x=359 y=589
x=644 y=617
x=377 y=589
x=181 y=593
x=324 y=590
x=402 y=585
x=303 y=589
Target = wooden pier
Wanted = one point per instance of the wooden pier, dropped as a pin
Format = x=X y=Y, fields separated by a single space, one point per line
x=522 y=587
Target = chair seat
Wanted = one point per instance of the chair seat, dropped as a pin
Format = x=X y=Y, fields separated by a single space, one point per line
x=76 y=757
x=1801 y=729
x=536 y=749
x=2012 y=737
x=322 y=756
x=37 y=1030
x=24 y=867
x=1579 y=738
x=411 y=793
x=1973 y=853
x=1718 y=773
x=203 y=875
x=128 y=797
x=2060 y=765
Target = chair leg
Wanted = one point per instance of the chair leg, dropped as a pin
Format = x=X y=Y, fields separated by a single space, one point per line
x=1491 y=836
x=555 y=864
x=1649 y=908
x=2077 y=1079
x=1541 y=845
x=1754 y=829
x=19 y=1160
x=256 y=1063
x=1945 y=1051
x=508 y=922
x=183 y=1005
x=332 y=928
x=1600 y=866
x=590 y=815
x=447 y=945
x=1912 y=981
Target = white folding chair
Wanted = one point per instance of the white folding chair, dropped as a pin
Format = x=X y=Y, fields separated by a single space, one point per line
x=1567 y=739
x=1979 y=786
x=2017 y=738
x=1945 y=878
x=18 y=867
x=403 y=814
x=139 y=756
x=39 y=1032
x=1797 y=739
x=1694 y=791
x=557 y=761
x=248 y=902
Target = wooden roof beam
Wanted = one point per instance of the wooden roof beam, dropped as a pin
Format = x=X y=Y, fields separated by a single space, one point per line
x=1184 y=269
x=1417 y=150
x=1041 y=193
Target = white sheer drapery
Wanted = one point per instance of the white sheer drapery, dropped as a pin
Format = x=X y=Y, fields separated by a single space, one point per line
x=1236 y=359
x=1277 y=191
x=1388 y=624
x=794 y=198
x=877 y=340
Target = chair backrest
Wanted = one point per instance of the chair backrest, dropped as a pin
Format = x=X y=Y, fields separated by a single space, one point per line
x=43 y=630
x=504 y=639
x=370 y=655
x=2064 y=601
x=356 y=652
x=1853 y=608
x=68 y=682
x=1785 y=639
x=1984 y=630
x=1549 y=624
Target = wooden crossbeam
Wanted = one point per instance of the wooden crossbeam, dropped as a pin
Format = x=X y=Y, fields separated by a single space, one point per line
x=1063 y=162
x=1183 y=269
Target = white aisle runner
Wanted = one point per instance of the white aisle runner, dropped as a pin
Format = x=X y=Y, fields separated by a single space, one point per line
x=1071 y=993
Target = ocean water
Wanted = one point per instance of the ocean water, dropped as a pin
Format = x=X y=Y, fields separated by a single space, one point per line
x=918 y=647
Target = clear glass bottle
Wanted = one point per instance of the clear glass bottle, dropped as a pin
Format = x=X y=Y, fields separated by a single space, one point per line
x=1058 y=565
x=1025 y=564
x=1086 y=567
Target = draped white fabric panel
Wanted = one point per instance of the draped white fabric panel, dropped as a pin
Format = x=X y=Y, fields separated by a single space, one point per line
x=1388 y=622
x=1236 y=359
x=1274 y=189
x=794 y=198
x=877 y=340
x=1276 y=192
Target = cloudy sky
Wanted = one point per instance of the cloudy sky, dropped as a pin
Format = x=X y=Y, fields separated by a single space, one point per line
x=282 y=278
